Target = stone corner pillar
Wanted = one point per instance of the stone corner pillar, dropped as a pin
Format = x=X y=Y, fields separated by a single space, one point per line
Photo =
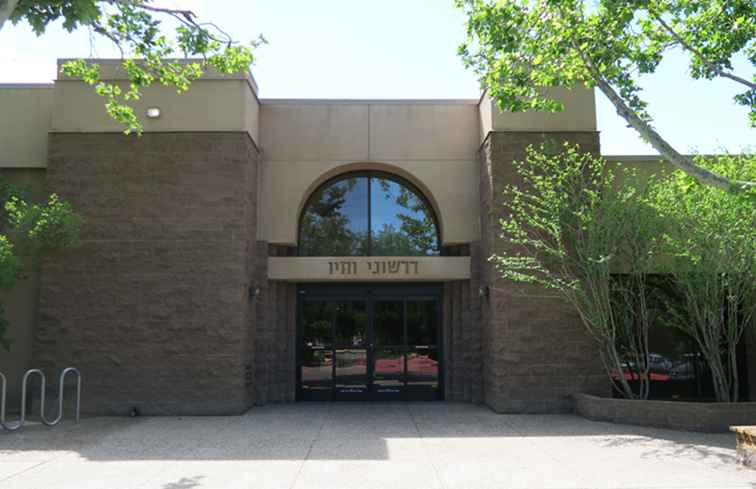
x=536 y=353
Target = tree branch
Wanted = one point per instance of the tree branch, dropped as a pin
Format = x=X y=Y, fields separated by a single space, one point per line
x=713 y=67
x=656 y=141
x=663 y=147
x=6 y=9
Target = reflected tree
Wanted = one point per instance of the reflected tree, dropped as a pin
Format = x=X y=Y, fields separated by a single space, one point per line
x=326 y=228
x=402 y=222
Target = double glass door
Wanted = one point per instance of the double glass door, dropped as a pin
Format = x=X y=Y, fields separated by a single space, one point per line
x=379 y=343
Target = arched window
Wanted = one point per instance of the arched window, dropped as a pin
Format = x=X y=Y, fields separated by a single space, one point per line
x=368 y=214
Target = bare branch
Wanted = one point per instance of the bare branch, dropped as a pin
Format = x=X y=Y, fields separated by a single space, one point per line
x=648 y=133
x=664 y=148
x=713 y=67
x=6 y=9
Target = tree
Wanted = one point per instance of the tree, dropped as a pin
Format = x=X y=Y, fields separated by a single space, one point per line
x=569 y=228
x=136 y=29
x=30 y=230
x=713 y=236
x=520 y=47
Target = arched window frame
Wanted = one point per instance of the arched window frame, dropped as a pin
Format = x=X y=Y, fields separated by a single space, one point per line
x=370 y=174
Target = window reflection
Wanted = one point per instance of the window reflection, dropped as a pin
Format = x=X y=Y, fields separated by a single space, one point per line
x=389 y=323
x=402 y=224
x=351 y=324
x=421 y=322
x=367 y=214
x=317 y=352
x=335 y=222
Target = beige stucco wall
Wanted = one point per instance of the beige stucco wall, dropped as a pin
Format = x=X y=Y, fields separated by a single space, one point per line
x=208 y=105
x=579 y=114
x=212 y=103
x=24 y=121
x=431 y=143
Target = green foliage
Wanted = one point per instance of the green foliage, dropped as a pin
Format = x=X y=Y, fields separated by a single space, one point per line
x=573 y=229
x=519 y=47
x=29 y=230
x=713 y=236
x=42 y=227
x=9 y=264
x=568 y=229
x=135 y=27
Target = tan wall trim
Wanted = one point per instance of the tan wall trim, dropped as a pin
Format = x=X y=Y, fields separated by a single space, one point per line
x=369 y=268
x=210 y=105
x=450 y=186
x=24 y=121
x=579 y=114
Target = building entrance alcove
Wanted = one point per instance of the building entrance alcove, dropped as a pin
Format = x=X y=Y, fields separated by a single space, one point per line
x=369 y=343
x=371 y=280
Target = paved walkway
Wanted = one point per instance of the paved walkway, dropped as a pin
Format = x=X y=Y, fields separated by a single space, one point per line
x=355 y=446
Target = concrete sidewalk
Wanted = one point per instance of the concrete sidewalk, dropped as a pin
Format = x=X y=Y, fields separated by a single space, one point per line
x=395 y=446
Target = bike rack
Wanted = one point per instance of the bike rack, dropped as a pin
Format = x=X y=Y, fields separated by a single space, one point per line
x=24 y=384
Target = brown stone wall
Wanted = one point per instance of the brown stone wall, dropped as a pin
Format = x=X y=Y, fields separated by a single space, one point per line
x=750 y=357
x=535 y=351
x=463 y=379
x=709 y=417
x=275 y=352
x=154 y=307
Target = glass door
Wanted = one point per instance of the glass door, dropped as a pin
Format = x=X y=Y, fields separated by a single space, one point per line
x=423 y=353
x=350 y=373
x=369 y=344
x=389 y=347
x=317 y=319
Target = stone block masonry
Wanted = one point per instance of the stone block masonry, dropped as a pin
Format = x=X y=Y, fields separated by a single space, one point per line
x=535 y=350
x=154 y=306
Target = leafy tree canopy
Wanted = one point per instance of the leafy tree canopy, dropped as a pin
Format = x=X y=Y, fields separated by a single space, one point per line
x=567 y=228
x=148 y=50
x=712 y=234
x=519 y=47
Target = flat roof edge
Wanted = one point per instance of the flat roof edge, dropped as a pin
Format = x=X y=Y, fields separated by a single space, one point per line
x=26 y=85
x=657 y=157
x=367 y=101
x=247 y=75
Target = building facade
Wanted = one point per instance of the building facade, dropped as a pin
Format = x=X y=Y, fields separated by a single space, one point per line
x=246 y=251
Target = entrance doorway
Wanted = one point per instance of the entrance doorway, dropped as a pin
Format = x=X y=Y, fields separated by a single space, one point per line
x=374 y=343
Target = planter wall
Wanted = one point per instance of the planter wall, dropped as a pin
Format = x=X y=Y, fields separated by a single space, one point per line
x=689 y=416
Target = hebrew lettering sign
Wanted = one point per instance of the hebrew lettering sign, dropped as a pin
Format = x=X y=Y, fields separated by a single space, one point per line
x=374 y=267
x=367 y=268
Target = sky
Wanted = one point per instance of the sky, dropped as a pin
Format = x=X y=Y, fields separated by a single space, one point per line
x=396 y=49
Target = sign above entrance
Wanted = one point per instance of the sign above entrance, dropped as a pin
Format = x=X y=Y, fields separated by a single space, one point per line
x=369 y=268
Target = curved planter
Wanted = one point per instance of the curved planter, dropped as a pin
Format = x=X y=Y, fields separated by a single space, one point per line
x=710 y=417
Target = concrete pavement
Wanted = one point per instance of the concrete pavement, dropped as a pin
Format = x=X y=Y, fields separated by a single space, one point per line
x=355 y=446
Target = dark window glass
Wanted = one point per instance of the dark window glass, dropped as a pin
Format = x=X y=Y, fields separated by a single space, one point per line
x=335 y=222
x=351 y=324
x=389 y=323
x=351 y=371
x=401 y=222
x=421 y=323
x=388 y=370
x=677 y=368
x=367 y=214
x=317 y=351
x=422 y=373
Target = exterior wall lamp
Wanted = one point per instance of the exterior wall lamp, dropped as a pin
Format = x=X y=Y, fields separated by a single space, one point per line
x=254 y=291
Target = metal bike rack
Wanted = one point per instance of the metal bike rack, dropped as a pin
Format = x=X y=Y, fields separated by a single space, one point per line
x=43 y=418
